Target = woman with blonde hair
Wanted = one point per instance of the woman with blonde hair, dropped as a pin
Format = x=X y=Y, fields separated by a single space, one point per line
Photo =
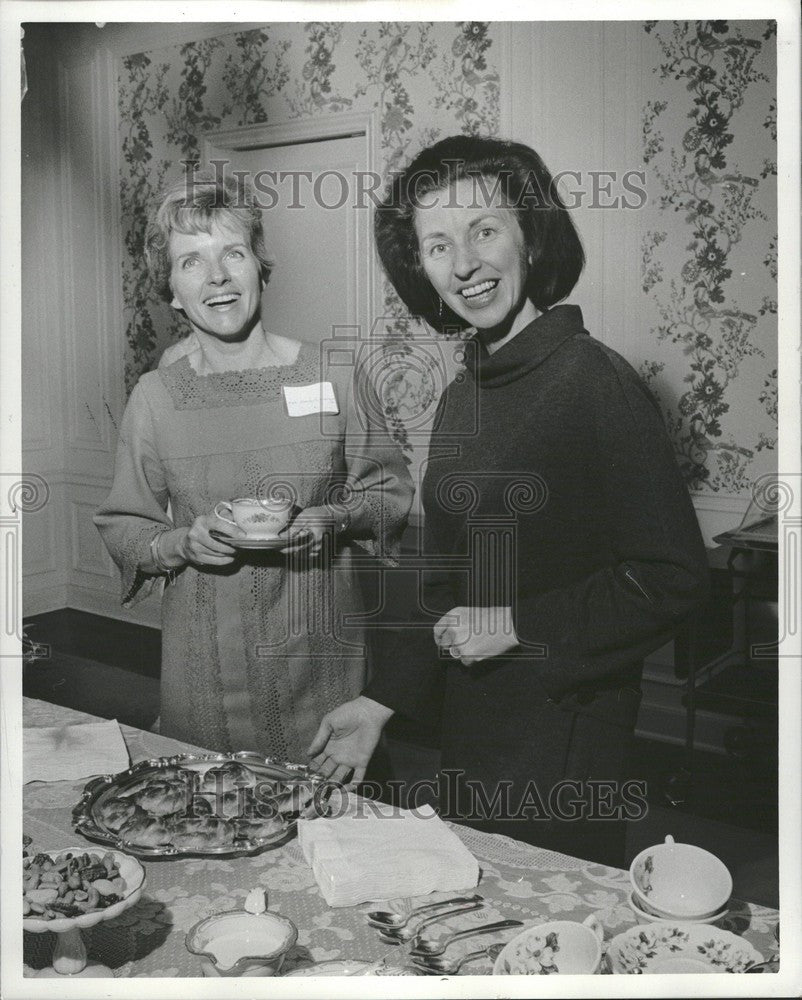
x=254 y=649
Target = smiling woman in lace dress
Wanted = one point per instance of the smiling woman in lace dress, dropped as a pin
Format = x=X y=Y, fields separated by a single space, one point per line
x=253 y=649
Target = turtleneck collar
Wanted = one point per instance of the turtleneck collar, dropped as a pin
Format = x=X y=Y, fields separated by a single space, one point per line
x=526 y=350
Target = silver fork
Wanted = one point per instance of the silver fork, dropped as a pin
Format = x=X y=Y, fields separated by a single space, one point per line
x=408 y=933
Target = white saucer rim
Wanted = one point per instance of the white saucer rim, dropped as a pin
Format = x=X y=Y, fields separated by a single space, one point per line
x=657 y=918
x=725 y=936
x=254 y=543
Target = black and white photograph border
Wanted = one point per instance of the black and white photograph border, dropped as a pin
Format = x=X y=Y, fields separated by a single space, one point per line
x=670 y=133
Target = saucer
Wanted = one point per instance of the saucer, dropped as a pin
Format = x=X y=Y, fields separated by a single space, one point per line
x=264 y=544
x=646 y=914
x=650 y=948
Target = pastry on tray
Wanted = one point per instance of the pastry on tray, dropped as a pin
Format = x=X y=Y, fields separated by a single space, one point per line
x=295 y=798
x=179 y=774
x=213 y=803
x=226 y=805
x=146 y=831
x=227 y=777
x=270 y=787
x=201 y=805
x=258 y=826
x=115 y=812
x=163 y=797
x=190 y=778
x=203 y=833
x=259 y=807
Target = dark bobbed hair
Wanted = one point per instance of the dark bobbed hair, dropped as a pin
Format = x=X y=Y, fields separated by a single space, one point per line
x=190 y=206
x=552 y=244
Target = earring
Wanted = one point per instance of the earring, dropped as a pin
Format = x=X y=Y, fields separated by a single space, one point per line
x=439 y=307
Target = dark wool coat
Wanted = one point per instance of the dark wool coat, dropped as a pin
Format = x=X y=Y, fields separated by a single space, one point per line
x=551 y=487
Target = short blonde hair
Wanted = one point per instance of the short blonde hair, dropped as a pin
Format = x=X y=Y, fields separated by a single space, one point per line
x=191 y=206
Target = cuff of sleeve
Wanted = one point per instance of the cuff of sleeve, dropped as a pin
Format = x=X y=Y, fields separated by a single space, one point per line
x=136 y=583
x=393 y=695
x=546 y=669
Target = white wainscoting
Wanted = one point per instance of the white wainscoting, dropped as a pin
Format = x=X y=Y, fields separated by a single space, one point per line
x=73 y=392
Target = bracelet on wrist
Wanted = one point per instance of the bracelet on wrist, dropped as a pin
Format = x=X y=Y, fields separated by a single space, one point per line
x=156 y=555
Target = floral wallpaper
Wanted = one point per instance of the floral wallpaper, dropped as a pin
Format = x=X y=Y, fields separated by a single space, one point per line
x=426 y=81
x=709 y=245
x=707 y=317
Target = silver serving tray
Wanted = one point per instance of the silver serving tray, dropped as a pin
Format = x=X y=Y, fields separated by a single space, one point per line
x=111 y=785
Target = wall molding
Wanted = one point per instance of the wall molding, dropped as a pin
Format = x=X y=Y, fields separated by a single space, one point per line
x=666 y=724
x=81 y=563
x=41 y=526
x=519 y=69
x=291 y=131
x=121 y=39
x=36 y=601
x=107 y=603
x=110 y=252
x=726 y=504
x=37 y=276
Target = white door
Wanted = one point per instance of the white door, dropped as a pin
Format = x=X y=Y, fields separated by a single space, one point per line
x=318 y=237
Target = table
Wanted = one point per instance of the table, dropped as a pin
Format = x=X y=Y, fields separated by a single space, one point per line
x=518 y=881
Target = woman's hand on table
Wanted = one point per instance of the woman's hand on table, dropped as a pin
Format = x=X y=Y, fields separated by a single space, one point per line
x=347 y=738
x=471 y=635
x=310 y=527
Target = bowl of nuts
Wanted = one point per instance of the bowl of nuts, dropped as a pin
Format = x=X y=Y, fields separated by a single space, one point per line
x=70 y=890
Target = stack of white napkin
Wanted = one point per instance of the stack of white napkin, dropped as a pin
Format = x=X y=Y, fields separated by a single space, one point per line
x=66 y=753
x=377 y=852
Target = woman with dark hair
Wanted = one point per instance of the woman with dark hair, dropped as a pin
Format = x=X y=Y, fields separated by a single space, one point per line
x=562 y=543
x=253 y=649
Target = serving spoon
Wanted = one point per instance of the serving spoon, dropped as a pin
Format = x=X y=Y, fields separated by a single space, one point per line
x=405 y=934
x=442 y=966
x=422 y=948
x=395 y=921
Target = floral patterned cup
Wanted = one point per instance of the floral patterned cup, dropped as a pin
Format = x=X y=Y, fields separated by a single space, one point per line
x=257 y=518
x=560 y=946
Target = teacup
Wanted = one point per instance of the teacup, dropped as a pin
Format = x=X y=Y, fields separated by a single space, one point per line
x=238 y=943
x=257 y=518
x=680 y=880
x=560 y=946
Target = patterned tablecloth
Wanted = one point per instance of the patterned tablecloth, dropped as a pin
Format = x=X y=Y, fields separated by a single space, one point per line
x=518 y=881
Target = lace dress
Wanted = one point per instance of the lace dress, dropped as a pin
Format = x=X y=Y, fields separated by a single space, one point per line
x=256 y=652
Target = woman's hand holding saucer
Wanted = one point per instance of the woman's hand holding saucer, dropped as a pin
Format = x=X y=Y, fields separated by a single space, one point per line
x=203 y=549
x=471 y=635
x=307 y=531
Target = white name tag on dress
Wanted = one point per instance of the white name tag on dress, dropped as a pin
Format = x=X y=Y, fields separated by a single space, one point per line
x=305 y=399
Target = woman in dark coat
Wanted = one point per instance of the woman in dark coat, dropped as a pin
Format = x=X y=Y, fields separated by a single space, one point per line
x=562 y=541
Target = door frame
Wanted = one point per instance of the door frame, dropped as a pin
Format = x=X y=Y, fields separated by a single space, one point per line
x=295 y=131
